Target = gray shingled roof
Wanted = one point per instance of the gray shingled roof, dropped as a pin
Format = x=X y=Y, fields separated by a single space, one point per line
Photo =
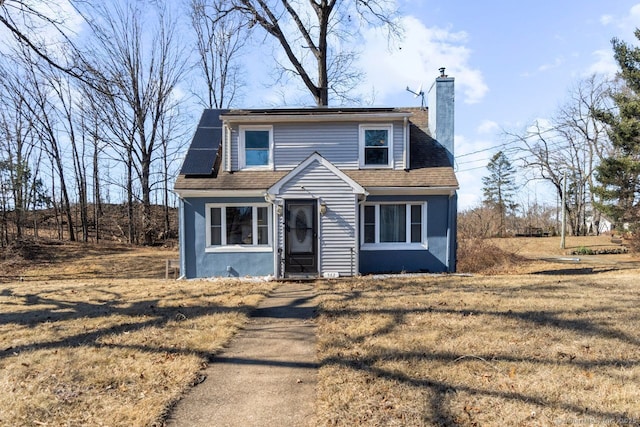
x=430 y=166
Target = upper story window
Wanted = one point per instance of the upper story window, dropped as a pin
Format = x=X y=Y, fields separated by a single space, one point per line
x=239 y=226
x=394 y=225
x=255 y=147
x=376 y=146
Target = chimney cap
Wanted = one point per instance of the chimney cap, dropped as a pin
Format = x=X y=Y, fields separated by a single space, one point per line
x=442 y=74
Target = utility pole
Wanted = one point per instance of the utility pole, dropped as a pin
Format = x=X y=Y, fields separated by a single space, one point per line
x=564 y=210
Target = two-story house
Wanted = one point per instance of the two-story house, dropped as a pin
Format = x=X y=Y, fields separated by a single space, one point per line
x=320 y=192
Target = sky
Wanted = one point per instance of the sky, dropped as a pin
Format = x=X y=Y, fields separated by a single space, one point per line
x=514 y=62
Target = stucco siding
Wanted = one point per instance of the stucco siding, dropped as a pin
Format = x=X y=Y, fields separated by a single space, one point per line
x=436 y=258
x=197 y=262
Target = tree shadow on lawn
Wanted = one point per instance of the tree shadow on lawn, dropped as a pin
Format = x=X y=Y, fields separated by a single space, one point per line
x=443 y=391
x=143 y=314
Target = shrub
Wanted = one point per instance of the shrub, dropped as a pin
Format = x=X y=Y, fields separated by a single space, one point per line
x=481 y=256
x=583 y=250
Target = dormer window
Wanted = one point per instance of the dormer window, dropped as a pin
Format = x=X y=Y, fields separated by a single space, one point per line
x=376 y=146
x=255 y=148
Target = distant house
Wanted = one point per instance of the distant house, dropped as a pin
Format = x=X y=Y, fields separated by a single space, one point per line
x=320 y=192
x=597 y=223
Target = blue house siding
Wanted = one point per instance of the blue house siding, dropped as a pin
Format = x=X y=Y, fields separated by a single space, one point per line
x=199 y=263
x=317 y=155
x=438 y=257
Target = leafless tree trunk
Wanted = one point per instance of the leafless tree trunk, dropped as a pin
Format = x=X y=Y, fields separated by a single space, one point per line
x=572 y=141
x=43 y=111
x=305 y=31
x=219 y=45
x=67 y=111
x=142 y=79
x=17 y=144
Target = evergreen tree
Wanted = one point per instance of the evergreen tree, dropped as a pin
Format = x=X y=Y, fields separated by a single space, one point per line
x=499 y=187
x=618 y=175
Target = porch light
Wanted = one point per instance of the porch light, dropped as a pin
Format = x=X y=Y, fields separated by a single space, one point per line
x=323 y=207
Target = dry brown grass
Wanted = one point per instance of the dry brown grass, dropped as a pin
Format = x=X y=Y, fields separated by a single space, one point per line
x=109 y=349
x=533 y=254
x=529 y=350
x=96 y=337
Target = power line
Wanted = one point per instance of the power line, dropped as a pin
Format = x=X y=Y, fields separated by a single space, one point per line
x=504 y=144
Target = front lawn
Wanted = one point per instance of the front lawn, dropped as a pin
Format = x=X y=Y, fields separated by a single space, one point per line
x=547 y=349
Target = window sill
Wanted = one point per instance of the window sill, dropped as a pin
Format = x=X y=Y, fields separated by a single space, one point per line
x=238 y=248
x=376 y=166
x=256 y=168
x=394 y=247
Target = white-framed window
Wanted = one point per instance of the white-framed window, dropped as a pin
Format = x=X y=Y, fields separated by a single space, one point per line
x=255 y=147
x=394 y=225
x=238 y=227
x=376 y=146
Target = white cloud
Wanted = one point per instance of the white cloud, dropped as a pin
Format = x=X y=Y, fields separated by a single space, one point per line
x=625 y=24
x=487 y=127
x=422 y=52
x=555 y=64
x=604 y=64
x=634 y=14
x=606 y=19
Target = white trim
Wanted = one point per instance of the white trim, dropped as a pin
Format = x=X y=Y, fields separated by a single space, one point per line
x=393 y=247
x=361 y=145
x=376 y=191
x=183 y=194
x=241 y=147
x=311 y=118
x=237 y=248
x=407 y=191
x=316 y=157
x=407 y=244
x=223 y=247
x=319 y=238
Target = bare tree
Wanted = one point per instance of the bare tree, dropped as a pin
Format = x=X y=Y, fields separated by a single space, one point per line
x=572 y=142
x=42 y=106
x=43 y=29
x=219 y=46
x=142 y=75
x=310 y=33
x=91 y=126
x=16 y=147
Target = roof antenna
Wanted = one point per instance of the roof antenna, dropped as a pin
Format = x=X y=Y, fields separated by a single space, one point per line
x=418 y=93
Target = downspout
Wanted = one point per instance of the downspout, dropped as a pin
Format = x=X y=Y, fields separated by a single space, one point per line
x=449 y=233
x=226 y=140
x=269 y=198
x=406 y=143
x=181 y=247
x=356 y=268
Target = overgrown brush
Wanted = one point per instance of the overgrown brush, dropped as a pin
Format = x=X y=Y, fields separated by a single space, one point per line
x=477 y=255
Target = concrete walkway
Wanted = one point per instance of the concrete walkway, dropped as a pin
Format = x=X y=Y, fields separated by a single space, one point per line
x=267 y=376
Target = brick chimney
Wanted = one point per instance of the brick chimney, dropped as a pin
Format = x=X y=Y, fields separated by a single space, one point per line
x=441 y=112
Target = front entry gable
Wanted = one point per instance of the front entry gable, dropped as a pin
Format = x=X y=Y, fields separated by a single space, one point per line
x=279 y=186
